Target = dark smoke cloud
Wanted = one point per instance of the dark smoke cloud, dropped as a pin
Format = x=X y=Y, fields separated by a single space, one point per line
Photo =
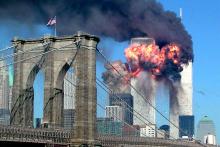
x=119 y=19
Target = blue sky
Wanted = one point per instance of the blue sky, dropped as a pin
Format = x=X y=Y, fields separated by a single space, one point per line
x=202 y=21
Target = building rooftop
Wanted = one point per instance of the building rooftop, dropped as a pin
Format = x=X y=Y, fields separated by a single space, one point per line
x=206 y=119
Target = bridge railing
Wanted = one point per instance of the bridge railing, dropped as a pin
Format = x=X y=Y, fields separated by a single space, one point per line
x=58 y=136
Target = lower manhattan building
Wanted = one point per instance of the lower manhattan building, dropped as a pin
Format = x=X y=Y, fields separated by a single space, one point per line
x=148 y=130
x=107 y=126
x=125 y=100
x=115 y=113
x=69 y=99
x=205 y=127
x=186 y=125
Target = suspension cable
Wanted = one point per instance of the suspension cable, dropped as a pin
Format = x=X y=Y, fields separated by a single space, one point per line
x=133 y=110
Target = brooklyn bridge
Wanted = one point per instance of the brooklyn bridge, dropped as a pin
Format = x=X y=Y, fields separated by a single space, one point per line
x=55 y=56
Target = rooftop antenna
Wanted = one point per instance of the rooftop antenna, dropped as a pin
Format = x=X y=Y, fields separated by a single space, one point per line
x=181 y=14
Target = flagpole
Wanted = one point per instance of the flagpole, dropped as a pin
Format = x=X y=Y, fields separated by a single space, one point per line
x=55 y=27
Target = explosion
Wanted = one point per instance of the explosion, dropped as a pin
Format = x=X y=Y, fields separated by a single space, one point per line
x=149 y=57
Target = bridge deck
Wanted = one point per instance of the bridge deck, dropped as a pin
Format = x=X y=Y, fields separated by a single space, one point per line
x=62 y=137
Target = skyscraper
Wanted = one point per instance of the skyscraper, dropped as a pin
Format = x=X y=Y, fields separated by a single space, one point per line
x=181 y=98
x=186 y=125
x=125 y=100
x=69 y=84
x=143 y=92
x=205 y=127
x=4 y=95
x=69 y=99
x=115 y=113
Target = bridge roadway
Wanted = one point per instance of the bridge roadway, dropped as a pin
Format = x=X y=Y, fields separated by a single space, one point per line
x=61 y=137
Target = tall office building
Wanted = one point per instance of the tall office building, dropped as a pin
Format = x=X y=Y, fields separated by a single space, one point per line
x=181 y=99
x=125 y=100
x=69 y=99
x=69 y=89
x=186 y=125
x=115 y=113
x=4 y=95
x=143 y=92
x=107 y=126
x=205 y=127
x=69 y=115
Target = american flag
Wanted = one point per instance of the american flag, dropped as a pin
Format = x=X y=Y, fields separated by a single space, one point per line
x=52 y=21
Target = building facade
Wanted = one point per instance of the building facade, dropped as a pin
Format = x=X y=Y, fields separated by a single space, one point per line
x=181 y=93
x=69 y=115
x=205 y=127
x=143 y=98
x=69 y=85
x=131 y=130
x=107 y=126
x=186 y=125
x=125 y=100
x=115 y=113
x=148 y=130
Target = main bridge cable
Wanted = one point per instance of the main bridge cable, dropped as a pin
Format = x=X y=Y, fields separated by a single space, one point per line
x=22 y=52
x=54 y=49
x=4 y=49
x=138 y=114
x=138 y=92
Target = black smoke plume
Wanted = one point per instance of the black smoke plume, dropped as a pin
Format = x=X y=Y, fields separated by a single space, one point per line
x=119 y=19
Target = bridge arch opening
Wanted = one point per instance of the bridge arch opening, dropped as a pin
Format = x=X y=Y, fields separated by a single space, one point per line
x=38 y=86
x=66 y=83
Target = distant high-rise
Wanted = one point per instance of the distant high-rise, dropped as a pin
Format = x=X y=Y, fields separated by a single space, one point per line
x=107 y=126
x=148 y=130
x=4 y=95
x=69 y=99
x=115 y=113
x=205 y=127
x=125 y=100
x=69 y=90
x=186 y=125
x=69 y=115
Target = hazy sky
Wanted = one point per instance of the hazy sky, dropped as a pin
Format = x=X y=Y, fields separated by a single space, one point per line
x=202 y=21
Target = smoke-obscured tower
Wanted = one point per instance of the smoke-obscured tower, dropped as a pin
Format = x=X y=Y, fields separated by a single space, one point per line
x=143 y=92
x=181 y=98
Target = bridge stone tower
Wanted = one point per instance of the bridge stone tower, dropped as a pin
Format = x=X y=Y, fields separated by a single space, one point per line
x=54 y=56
